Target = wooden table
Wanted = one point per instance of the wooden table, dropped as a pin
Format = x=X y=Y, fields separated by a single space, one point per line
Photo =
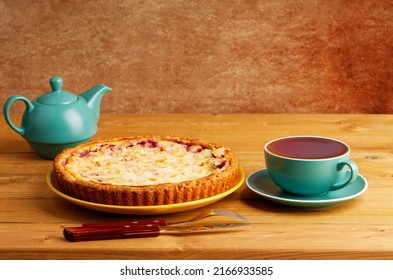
x=32 y=217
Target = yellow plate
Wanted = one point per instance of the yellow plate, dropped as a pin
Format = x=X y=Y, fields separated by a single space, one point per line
x=146 y=210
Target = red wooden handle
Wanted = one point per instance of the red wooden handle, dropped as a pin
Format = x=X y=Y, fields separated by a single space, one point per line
x=101 y=233
x=127 y=224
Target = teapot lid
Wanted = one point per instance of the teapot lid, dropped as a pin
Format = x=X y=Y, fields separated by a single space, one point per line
x=57 y=96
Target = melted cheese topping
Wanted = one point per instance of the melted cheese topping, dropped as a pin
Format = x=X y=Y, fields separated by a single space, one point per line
x=138 y=163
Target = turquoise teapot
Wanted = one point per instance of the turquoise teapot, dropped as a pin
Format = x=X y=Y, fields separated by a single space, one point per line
x=58 y=119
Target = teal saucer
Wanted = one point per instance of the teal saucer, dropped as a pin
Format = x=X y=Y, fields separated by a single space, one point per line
x=260 y=183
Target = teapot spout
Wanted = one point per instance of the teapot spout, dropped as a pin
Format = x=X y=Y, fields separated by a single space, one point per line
x=94 y=96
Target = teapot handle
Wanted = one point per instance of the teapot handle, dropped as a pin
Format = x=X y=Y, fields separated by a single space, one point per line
x=6 y=112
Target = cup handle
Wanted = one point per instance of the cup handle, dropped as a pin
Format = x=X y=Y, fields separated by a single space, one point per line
x=6 y=112
x=354 y=173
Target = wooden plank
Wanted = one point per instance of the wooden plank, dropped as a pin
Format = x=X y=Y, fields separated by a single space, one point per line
x=32 y=217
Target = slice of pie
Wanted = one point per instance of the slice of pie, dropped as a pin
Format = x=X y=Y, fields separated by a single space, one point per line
x=145 y=171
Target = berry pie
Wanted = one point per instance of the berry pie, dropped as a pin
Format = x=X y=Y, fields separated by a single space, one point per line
x=145 y=171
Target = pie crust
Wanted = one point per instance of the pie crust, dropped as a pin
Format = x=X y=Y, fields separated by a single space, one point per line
x=145 y=171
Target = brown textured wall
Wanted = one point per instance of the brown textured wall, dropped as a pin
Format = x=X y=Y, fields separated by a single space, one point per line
x=204 y=56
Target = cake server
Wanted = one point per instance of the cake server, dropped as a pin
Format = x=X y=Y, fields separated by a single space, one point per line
x=203 y=215
x=151 y=228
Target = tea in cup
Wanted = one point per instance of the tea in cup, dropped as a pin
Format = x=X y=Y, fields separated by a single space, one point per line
x=309 y=165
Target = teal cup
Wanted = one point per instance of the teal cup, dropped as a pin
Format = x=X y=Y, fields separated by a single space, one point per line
x=309 y=165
